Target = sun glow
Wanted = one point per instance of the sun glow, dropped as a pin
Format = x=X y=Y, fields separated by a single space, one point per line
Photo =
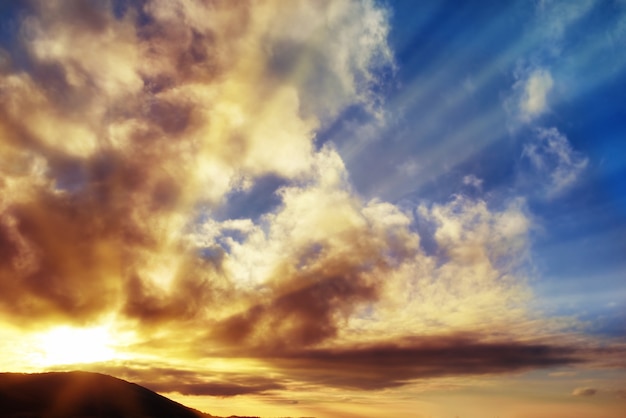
x=69 y=345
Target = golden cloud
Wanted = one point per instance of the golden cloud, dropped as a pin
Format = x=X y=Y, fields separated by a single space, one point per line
x=123 y=136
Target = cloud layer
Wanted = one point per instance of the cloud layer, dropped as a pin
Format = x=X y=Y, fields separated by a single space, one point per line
x=124 y=135
x=122 y=130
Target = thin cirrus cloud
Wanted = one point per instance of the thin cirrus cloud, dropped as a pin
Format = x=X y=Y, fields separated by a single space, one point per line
x=552 y=156
x=538 y=83
x=123 y=135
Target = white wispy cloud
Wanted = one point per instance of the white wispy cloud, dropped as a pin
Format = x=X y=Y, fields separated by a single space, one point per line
x=473 y=181
x=555 y=17
x=535 y=98
x=552 y=157
x=530 y=95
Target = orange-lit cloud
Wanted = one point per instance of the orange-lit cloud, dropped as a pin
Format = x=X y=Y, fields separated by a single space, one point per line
x=123 y=137
x=121 y=131
x=584 y=392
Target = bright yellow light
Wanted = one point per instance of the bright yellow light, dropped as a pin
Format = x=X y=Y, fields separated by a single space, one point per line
x=68 y=345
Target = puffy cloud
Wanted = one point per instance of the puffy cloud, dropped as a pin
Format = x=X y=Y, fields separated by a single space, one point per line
x=319 y=56
x=472 y=180
x=121 y=127
x=584 y=392
x=552 y=156
x=529 y=98
x=536 y=89
x=326 y=268
x=320 y=256
x=474 y=276
x=91 y=49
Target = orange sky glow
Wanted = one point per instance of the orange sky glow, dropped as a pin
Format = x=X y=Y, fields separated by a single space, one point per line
x=128 y=132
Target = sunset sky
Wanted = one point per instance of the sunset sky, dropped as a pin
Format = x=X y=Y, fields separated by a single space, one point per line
x=319 y=208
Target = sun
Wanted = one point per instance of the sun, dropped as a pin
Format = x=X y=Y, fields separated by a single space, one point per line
x=65 y=345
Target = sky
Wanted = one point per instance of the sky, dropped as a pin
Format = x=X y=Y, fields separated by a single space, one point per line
x=331 y=208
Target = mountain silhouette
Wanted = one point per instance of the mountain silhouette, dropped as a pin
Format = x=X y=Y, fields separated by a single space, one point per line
x=83 y=395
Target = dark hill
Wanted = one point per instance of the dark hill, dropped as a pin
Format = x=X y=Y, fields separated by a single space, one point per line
x=83 y=395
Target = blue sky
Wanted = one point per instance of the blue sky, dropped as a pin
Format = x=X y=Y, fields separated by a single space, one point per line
x=451 y=110
x=313 y=207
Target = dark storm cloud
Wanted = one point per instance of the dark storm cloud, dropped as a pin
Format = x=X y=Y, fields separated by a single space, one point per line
x=364 y=367
x=395 y=364
x=301 y=317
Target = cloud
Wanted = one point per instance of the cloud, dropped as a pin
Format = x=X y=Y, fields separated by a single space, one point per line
x=536 y=89
x=530 y=94
x=203 y=385
x=554 y=18
x=338 y=269
x=472 y=180
x=357 y=365
x=388 y=365
x=552 y=156
x=562 y=374
x=197 y=382
x=324 y=64
x=316 y=260
x=122 y=129
x=364 y=366
x=584 y=392
x=125 y=136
